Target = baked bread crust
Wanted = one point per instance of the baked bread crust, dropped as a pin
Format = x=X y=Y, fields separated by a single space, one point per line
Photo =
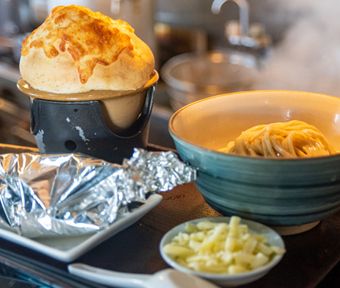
x=77 y=50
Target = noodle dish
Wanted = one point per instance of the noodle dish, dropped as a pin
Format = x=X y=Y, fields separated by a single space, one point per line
x=270 y=156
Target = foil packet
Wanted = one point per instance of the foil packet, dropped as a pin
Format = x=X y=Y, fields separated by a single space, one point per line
x=69 y=194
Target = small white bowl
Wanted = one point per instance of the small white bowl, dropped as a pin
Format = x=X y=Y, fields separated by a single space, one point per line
x=225 y=280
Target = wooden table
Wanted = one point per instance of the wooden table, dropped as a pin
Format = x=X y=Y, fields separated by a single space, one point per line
x=310 y=256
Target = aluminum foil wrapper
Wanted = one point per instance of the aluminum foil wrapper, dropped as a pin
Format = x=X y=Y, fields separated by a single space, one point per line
x=70 y=194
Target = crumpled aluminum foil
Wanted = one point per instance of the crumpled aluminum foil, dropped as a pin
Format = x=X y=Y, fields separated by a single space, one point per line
x=69 y=194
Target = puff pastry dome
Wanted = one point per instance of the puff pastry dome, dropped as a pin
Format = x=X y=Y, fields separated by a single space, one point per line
x=76 y=50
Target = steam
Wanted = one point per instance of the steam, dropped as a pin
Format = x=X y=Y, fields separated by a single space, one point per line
x=308 y=56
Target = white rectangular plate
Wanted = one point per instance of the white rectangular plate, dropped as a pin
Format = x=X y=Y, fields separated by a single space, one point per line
x=67 y=249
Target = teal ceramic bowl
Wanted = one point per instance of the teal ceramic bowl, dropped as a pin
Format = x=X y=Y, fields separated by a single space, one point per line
x=275 y=192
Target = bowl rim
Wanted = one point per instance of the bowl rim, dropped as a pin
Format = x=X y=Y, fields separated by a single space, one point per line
x=177 y=138
x=212 y=276
x=27 y=89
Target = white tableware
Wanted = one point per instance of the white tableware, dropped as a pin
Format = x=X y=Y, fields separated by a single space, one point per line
x=168 y=278
x=67 y=249
x=226 y=280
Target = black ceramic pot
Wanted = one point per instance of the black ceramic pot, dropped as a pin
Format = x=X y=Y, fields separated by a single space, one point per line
x=83 y=127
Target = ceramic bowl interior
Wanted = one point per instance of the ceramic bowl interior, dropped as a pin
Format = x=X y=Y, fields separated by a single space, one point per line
x=224 y=280
x=272 y=191
x=213 y=122
x=121 y=112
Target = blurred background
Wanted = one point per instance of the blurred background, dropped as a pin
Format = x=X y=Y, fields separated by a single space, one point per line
x=202 y=48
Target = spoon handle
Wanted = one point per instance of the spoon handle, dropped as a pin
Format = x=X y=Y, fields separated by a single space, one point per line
x=106 y=277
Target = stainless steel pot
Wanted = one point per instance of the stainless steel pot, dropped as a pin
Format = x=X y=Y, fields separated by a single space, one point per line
x=16 y=20
x=15 y=17
x=190 y=77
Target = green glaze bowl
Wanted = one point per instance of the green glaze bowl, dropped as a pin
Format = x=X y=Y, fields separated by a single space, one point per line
x=275 y=192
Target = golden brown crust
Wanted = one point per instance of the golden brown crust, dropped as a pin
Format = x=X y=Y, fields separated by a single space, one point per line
x=77 y=50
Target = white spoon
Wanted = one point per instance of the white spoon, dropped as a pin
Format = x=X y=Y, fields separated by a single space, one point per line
x=168 y=278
